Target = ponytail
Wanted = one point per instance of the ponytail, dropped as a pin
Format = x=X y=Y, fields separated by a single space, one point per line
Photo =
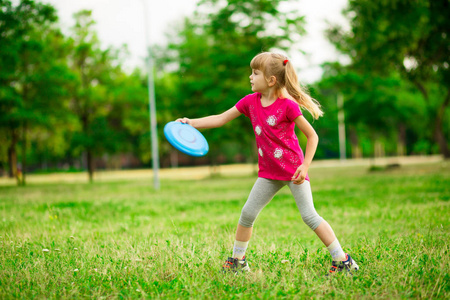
x=299 y=94
x=272 y=64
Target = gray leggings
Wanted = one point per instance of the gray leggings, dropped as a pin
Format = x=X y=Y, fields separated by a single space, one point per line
x=265 y=189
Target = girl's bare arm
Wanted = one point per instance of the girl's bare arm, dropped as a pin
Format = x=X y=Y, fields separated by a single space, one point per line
x=311 y=146
x=212 y=121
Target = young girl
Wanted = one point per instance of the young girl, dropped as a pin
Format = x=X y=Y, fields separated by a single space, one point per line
x=274 y=110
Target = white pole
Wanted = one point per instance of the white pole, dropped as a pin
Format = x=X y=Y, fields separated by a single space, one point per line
x=152 y=106
x=341 y=122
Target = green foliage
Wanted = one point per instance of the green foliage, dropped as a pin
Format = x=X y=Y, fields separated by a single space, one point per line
x=33 y=77
x=62 y=96
x=211 y=55
x=409 y=38
x=63 y=99
x=376 y=107
x=129 y=116
x=121 y=239
x=100 y=96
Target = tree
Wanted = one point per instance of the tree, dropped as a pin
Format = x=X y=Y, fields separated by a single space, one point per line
x=211 y=56
x=377 y=108
x=33 y=74
x=96 y=72
x=408 y=37
x=129 y=115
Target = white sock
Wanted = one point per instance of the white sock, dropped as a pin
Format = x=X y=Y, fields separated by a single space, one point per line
x=336 y=251
x=239 y=249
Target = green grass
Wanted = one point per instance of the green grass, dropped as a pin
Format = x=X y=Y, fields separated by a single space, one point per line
x=128 y=241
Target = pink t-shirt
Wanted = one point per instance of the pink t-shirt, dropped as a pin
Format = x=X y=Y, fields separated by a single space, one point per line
x=279 y=153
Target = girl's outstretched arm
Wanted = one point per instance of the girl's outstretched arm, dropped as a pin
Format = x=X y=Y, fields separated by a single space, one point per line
x=311 y=146
x=214 y=120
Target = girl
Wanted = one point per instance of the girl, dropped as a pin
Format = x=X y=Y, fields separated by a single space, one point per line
x=274 y=110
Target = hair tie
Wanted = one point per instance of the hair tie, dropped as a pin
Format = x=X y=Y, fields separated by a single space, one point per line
x=285 y=62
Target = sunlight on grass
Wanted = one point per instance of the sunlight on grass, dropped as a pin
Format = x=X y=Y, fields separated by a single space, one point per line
x=122 y=239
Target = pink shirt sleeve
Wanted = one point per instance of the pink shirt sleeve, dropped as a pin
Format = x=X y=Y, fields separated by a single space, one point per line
x=243 y=104
x=292 y=110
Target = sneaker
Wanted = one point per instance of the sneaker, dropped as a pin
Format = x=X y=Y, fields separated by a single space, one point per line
x=336 y=266
x=348 y=265
x=235 y=265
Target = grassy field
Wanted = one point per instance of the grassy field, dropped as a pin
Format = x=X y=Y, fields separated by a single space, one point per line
x=122 y=239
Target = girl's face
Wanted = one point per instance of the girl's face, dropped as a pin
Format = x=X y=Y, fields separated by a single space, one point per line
x=258 y=81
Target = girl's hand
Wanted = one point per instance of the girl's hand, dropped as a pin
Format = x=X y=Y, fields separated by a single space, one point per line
x=300 y=174
x=184 y=120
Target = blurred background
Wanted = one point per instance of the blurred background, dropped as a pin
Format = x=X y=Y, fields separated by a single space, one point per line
x=74 y=88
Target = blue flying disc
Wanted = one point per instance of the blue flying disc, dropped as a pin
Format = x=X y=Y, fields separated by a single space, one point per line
x=186 y=138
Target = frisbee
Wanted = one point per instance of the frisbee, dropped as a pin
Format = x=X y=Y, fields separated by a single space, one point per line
x=186 y=138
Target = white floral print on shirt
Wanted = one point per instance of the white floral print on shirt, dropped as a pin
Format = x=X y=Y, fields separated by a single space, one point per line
x=258 y=130
x=278 y=153
x=272 y=120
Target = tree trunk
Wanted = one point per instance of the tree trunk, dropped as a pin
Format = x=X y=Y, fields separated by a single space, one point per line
x=214 y=169
x=12 y=155
x=173 y=158
x=439 y=122
x=89 y=154
x=401 y=142
x=438 y=130
x=21 y=173
x=356 y=149
x=90 y=164
x=379 y=149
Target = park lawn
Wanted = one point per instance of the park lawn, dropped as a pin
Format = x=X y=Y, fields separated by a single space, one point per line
x=123 y=239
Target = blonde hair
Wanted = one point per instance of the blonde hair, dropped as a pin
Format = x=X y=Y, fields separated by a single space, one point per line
x=273 y=64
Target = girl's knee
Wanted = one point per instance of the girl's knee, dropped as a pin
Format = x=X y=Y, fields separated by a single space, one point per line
x=312 y=220
x=247 y=218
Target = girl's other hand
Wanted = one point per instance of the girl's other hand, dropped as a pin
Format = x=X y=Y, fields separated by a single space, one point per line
x=300 y=175
x=184 y=120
